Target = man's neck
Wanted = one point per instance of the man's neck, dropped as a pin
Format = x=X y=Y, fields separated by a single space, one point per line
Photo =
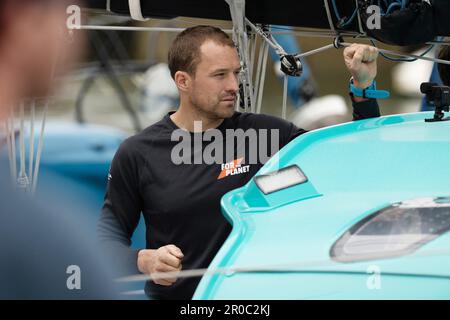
x=185 y=118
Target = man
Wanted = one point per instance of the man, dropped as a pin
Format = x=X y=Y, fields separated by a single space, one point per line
x=44 y=251
x=180 y=202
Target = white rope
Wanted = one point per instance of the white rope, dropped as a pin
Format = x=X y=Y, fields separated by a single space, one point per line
x=253 y=54
x=312 y=34
x=252 y=70
x=9 y=144
x=39 y=150
x=108 y=5
x=248 y=78
x=265 y=36
x=35 y=170
x=31 y=142
x=135 y=10
x=330 y=19
x=361 y=29
x=262 y=47
x=229 y=31
x=296 y=266
x=263 y=78
x=250 y=91
x=285 y=89
x=13 y=148
x=142 y=29
x=294 y=33
x=133 y=293
x=22 y=180
x=439 y=43
x=22 y=139
x=237 y=11
x=318 y=50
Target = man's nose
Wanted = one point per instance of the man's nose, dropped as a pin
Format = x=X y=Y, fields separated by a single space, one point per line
x=233 y=83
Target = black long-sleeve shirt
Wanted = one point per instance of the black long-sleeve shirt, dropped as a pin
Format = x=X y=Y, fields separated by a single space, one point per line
x=180 y=203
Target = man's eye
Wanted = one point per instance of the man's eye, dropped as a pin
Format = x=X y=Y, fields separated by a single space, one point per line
x=219 y=74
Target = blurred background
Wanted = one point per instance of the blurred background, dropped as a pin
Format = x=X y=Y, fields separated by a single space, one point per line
x=135 y=56
x=122 y=85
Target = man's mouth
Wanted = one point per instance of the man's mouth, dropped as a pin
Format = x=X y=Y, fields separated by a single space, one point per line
x=229 y=99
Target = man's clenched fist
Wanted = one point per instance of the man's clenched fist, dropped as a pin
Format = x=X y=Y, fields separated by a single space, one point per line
x=164 y=259
x=361 y=61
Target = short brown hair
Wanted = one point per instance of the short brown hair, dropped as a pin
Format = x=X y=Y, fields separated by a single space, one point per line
x=184 y=53
x=444 y=69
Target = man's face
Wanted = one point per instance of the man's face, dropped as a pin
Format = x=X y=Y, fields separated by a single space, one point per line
x=215 y=85
x=34 y=46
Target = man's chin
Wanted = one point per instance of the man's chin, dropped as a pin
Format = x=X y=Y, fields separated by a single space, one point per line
x=228 y=111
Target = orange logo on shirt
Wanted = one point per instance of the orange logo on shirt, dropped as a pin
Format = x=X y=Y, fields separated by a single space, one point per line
x=232 y=168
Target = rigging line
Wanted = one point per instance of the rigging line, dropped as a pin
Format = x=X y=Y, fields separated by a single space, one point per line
x=250 y=83
x=338 y=16
x=439 y=43
x=142 y=29
x=253 y=55
x=8 y=141
x=361 y=29
x=31 y=143
x=402 y=59
x=251 y=71
x=324 y=34
x=318 y=50
x=133 y=293
x=258 y=70
x=345 y=44
x=309 y=29
x=22 y=181
x=13 y=147
x=315 y=34
x=237 y=11
x=330 y=19
x=296 y=266
x=176 y=30
x=265 y=36
x=285 y=88
x=34 y=179
x=263 y=79
x=22 y=138
x=39 y=150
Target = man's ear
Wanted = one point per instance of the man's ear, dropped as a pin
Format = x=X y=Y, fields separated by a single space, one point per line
x=183 y=80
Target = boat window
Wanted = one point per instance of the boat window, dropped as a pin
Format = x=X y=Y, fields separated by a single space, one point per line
x=393 y=231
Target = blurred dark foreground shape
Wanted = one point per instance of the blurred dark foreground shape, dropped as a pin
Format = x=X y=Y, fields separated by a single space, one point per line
x=46 y=250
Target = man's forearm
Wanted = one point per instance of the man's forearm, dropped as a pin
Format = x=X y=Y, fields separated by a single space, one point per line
x=365 y=108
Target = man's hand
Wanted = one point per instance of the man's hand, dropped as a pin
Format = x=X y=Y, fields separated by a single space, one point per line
x=164 y=259
x=361 y=61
